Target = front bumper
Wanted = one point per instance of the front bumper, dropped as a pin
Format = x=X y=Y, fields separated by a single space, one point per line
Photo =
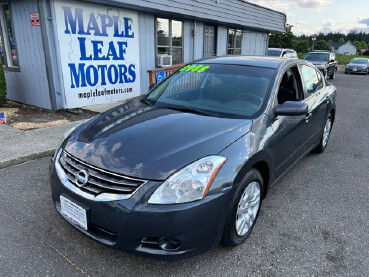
x=157 y=231
x=358 y=70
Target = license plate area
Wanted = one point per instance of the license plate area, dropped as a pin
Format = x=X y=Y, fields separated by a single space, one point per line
x=73 y=212
x=355 y=69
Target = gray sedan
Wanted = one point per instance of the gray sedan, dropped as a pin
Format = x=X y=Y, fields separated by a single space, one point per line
x=358 y=65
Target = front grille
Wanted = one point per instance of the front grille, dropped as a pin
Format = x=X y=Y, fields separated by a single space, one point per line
x=98 y=181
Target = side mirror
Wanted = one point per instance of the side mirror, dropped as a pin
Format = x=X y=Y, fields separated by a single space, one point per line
x=152 y=86
x=291 y=108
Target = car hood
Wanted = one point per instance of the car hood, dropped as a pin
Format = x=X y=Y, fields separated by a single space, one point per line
x=318 y=62
x=151 y=143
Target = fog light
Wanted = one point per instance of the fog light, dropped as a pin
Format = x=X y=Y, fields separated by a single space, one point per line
x=168 y=244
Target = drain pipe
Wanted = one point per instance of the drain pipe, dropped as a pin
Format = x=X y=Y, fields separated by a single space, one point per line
x=193 y=40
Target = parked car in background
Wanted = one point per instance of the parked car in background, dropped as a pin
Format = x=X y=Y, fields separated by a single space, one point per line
x=358 y=65
x=324 y=61
x=283 y=53
x=172 y=174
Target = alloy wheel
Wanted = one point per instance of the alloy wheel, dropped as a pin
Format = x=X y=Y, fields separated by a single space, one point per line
x=248 y=208
x=327 y=131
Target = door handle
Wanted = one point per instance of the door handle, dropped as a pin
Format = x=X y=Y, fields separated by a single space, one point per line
x=307 y=117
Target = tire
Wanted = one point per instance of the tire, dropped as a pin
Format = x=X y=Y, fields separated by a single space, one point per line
x=367 y=71
x=231 y=235
x=324 y=141
x=333 y=75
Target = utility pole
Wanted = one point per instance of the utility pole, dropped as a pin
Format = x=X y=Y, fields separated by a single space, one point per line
x=314 y=39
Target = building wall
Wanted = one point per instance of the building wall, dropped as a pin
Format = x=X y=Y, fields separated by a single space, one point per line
x=254 y=43
x=147 y=47
x=234 y=12
x=29 y=84
x=347 y=49
x=222 y=40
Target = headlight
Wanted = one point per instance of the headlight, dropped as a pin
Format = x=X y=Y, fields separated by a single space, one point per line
x=190 y=183
x=66 y=134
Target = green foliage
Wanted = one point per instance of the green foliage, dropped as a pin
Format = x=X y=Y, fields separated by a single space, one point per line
x=363 y=45
x=2 y=85
x=341 y=40
x=345 y=59
x=300 y=46
x=322 y=45
x=330 y=41
x=282 y=40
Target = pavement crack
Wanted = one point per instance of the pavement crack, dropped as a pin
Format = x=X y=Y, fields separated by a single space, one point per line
x=77 y=267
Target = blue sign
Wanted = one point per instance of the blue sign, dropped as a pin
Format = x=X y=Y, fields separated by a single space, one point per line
x=160 y=76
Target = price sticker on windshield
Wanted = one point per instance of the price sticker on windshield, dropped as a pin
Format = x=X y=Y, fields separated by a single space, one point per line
x=199 y=68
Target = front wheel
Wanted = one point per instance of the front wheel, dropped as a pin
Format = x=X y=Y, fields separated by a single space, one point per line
x=245 y=209
x=325 y=137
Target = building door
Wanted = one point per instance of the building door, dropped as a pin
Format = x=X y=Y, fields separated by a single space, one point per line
x=209 y=41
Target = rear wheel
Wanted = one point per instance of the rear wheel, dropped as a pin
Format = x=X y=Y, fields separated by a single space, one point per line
x=325 y=137
x=245 y=209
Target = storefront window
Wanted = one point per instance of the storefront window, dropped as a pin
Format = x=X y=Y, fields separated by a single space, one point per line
x=8 y=52
x=170 y=39
x=234 y=42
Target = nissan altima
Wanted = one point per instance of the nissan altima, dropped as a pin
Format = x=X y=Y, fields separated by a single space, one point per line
x=187 y=166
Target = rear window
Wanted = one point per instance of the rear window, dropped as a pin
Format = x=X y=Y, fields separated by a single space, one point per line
x=321 y=57
x=274 y=53
x=233 y=91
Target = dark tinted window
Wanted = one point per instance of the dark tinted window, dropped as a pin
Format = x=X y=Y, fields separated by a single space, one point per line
x=323 y=57
x=227 y=90
x=274 y=53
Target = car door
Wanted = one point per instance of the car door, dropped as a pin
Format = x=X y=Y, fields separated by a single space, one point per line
x=316 y=99
x=290 y=132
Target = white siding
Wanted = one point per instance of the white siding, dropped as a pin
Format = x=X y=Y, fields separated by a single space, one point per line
x=147 y=47
x=30 y=84
x=254 y=43
x=199 y=41
x=347 y=49
x=222 y=41
x=187 y=41
x=236 y=12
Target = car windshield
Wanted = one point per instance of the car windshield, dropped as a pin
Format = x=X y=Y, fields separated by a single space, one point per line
x=359 y=61
x=274 y=53
x=322 y=57
x=233 y=91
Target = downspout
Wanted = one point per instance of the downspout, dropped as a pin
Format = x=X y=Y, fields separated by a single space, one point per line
x=193 y=40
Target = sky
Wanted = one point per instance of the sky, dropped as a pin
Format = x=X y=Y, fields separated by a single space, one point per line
x=314 y=16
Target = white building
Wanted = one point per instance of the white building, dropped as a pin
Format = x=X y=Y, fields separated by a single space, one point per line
x=344 y=48
x=61 y=54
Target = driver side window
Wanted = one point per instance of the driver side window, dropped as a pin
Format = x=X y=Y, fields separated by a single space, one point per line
x=289 y=87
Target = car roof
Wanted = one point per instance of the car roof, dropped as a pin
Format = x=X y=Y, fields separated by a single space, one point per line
x=258 y=61
x=282 y=49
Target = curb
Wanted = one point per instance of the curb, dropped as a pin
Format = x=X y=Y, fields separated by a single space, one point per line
x=25 y=159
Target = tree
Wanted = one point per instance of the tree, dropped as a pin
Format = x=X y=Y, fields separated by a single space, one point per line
x=341 y=39
x=322 y=45
x=330 y=41
x=358 y=46
x=363 y=45
x=282 y=40
x=300 y=46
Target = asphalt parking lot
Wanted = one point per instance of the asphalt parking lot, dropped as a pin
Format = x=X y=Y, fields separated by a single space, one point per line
x=314 y=221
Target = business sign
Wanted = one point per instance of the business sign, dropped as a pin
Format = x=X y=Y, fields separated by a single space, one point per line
x=99 y=53
x=35 y=19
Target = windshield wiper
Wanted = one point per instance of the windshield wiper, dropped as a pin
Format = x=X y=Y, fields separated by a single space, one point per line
x=192 y=110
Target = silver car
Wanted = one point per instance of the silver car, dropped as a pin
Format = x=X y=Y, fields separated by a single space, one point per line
x=358 y=65
x=283 y=53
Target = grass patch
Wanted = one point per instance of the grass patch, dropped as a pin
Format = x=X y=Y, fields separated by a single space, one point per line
x=345 y=59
